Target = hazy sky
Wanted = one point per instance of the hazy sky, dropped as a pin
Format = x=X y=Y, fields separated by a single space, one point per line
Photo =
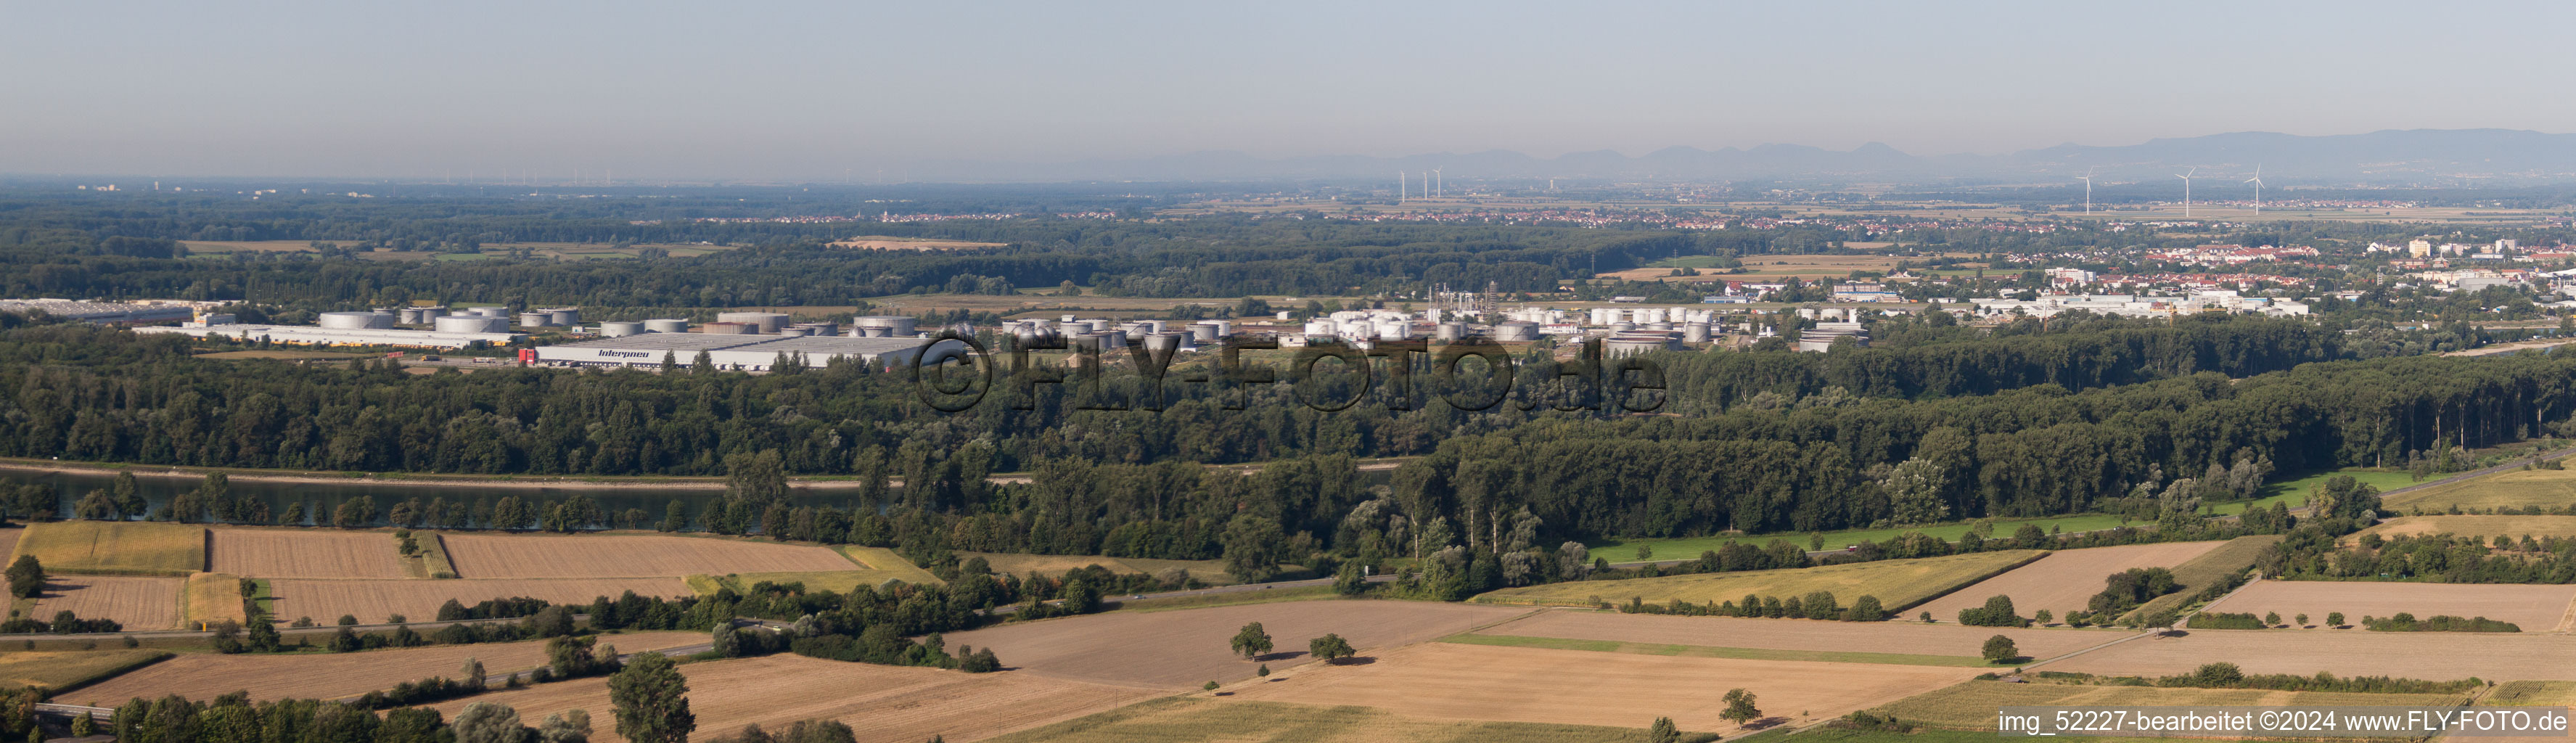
x=807 y=89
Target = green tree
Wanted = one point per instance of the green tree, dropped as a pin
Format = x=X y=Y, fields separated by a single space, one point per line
x=757 y=478
x=570 y=726
x=1329 y=648
x=2334 y=619
x=1350 y=581
x=26 y=577
x=128 y=494
x=485 y=722
x=1252 y=546
x=2000 y=649
x=1663 y=732
x=1866 y=609
x=652 y=701
x=1250 y=642
x=1739 y=707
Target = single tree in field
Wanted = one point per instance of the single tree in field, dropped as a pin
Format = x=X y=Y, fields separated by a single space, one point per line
x=2302 y=620
x=652 y=701
x=2334 y=619
x=485 y=722
x=26 y=577
x=1264 y=672
x=1645 y=552
x=1926 y=617
x=2271 y=619
x=572 y=726
x=1251 y=642
x=2000 y=649
x=1211 y=686
x=1663 y=732
x=1739 y=707
x=1865 y=609
x=2042 y=616
x=472 y=673
x=1329 y=648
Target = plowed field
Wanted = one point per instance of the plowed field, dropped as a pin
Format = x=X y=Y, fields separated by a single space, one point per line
x=335 y=675
x=1185 y=648
x=138 y=603
x=306 y=553
x=2064 y=580
x=1798 y=634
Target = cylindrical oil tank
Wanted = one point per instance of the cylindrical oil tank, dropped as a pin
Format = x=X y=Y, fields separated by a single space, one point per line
x=1110 y=340
x=566 y=316
x=1393 y=330
x=1205 y=332
x=1516 y=332
x=1223 y=327
x=1156 y=343
x=1624 y=344
x=1695 y=332
x=1134 y=330
x=1075 y=327
x=765 y=322
x=354 y=320
x=490 y=311
x=1156 y=326
x=1659 y=325
x=874 y=331
x=666 y=326
x=410 y=316
x=469 y=324
x=729 y=328
x=819 y=328
x=1622 y=326
x=1449 y=332
x=535 y=319
x=620 y=329
x=895 y=325
x=1319 y=327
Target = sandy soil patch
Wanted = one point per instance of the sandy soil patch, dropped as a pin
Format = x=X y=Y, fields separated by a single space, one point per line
x=1798 y=634
x=2440 y=656
x=2064 y=580
x=2534 y=608
x=622 y=556
x=305 y=553
x=883 y=704
x=372 y=601
x=336 y=675
x=1464 y=682
x=137 y=603
x=1182 y=649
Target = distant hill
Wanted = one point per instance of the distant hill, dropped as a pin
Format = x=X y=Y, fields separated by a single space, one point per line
x=2391 y=157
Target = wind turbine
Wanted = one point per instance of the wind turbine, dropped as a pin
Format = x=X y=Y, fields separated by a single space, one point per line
x=2088 y=190
x=2186 y=190
x=2257 y=180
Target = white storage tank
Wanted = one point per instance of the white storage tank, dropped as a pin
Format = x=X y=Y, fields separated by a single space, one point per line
x=620 y=329
x=666 y=326
x=565 y=316
x=895 y=325
x=1695 y=332
x=1205 y=332
x=1449 y=332
x=1158 y=343
x=535 y=319
x=1516 y=332
x=490 y=311
x=729 y=328
x=354 y=320
x=763 y=322
x=1390 y=330
x=1319 y=327
x=469 y=324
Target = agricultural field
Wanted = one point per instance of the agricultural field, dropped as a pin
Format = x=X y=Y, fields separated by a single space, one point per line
x=336 y=675
x=883 y=704
x=115 y=547
x=1211 y=572
x=1456 y=681
x=2489 y=527
x=2235 y=556
x=372 y=601
x=625 y=556
x=304 y=553
x=139 y=603
x=1182 y=649
x=1971 y=704
x=70 y=668
x=2524 y=694
x=2439 y=656
x=2065 y=579
x=9 y=540
x=885 y=560
x=1712 y=651
x=1188 y=720
x=211 y=597
x=1684 y=548
x=2513 y=489
x=1898 y=584
x=1907 y=638
x=2535 y=608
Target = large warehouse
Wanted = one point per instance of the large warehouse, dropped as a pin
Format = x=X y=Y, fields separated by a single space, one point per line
x=321 y=336
x=728 y=351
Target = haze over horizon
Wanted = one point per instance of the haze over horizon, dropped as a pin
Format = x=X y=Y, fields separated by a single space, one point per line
x=813 y=90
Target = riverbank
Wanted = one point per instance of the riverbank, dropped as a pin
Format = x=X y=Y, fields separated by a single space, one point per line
x=398 y=479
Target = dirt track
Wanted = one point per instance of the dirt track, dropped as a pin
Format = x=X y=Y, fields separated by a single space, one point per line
x=1476 y=682
x=418 y=600
x=334 y=675
x=1184 y=648
x=1798 y=634
x=625 y=556
x=2064 y=580
x=2429 y=655
x=138 y=603
x=883 y=704
x=305 y=553
x=2534 y=608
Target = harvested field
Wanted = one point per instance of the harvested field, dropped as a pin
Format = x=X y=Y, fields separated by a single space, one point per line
x=336 y=675
x=212 y=597
x=9 y=540
x=2524 y=694
x=1188 y=720
x=883 y=704
x=64 y=669
x=1460 y=682
x=2536 y=527
x=2235 y=556
x=1971 y=705
x=139 y=603
x=1798 y=634
x=116 y=547
x=2064 y=580
x=1898 y=584
x=372 y=601
x=625 y=556
x=2441 y=656
x=2534 y=608
x=882 y=559
x=2512 y=489
x=1184 y=648
x=305 y=553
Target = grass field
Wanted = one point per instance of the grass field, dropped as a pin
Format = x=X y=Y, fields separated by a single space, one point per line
x=116 y=547
x=1708 y=651
x=628 y=556
x=1194 y=719
x=886 y=704
x=60 y=670
x=886 y=561
x=2536 y=527
x=2064 y=580
x=211 y=597
x=304 y=553
x=1206 y=600
x=432 y=561
x=337 y=675
x=1971 y=705
x=2233 y=557
x=1897 y=583
x=2511 y=489
x=1683 y=548
x=137 y=602
x=2531 y=693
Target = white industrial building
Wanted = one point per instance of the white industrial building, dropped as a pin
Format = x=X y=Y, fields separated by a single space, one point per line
x=320 y=336
x=730 y=351
x=2134 y=305
x=100 y=312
